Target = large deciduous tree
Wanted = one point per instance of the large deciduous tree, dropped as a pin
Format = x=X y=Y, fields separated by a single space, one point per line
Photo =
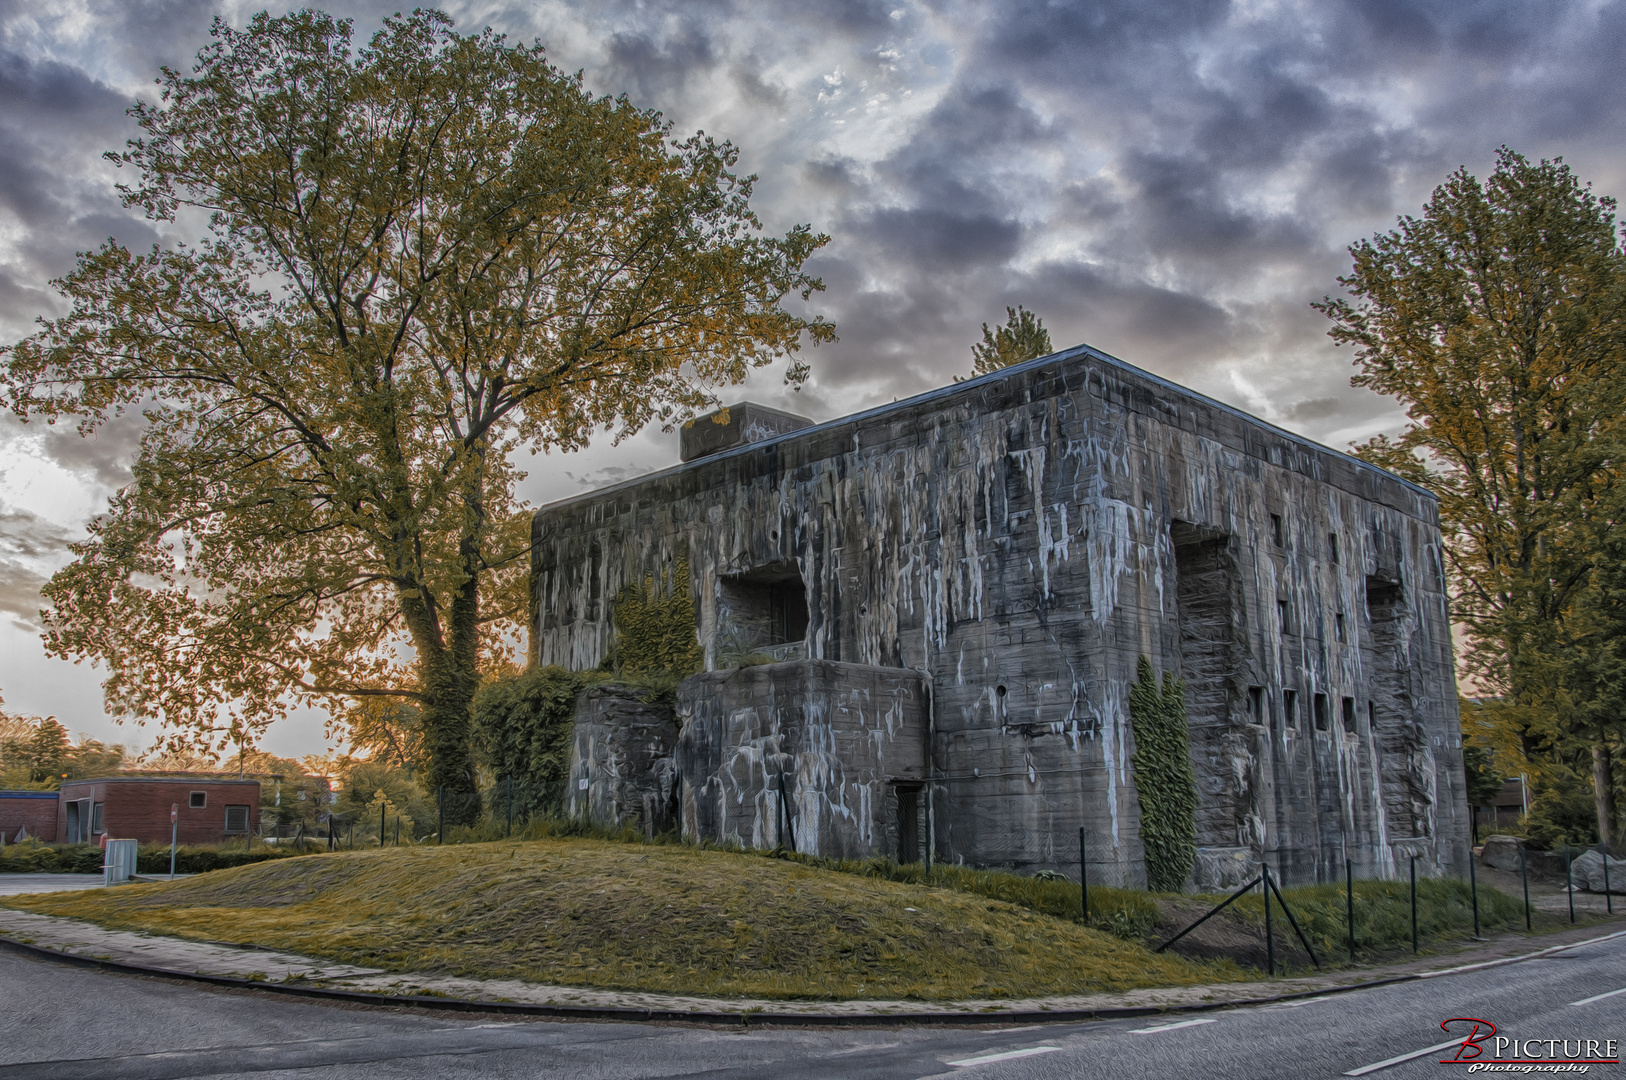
x=420 y=257
x=1498 y=318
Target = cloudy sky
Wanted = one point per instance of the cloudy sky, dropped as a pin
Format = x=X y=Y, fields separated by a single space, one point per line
x=1170 y=182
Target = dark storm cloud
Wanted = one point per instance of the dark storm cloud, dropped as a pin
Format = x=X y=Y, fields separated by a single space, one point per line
x=28 y=543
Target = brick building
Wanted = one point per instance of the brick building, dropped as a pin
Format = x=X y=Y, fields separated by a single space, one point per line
x=30 y=813
x=209 y=809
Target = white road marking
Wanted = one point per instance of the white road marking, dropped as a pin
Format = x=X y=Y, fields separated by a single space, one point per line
x=1007 y=1031
x=1599 y=997
x=1005 y=1056
x=1298 y=1004
x=1376 y=1065
x=1171 y=1027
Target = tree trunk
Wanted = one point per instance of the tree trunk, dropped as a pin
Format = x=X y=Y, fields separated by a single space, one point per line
x=1603 y=788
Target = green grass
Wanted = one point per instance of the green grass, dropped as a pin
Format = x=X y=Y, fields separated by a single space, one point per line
x=1383 y=915
x=588 y=912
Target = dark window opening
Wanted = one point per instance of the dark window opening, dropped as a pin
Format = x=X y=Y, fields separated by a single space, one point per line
x=1382 y=598
x=908 y=822
x=1338 y=627
x=1276 y=529
x=1256 y=705
x=197 y=800
x=97 y=820
x=1349 y=715
x=237 y=819
x=1332 y=547
x=1281 y=616
x=787 y=614
x=1290 y=708
x=765 y=608
x=1371 y=716
x=1322 y=722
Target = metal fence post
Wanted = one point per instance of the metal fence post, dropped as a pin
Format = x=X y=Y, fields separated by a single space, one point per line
x=1569 y=882
x=1524 y=875
x=381 y=822
x=1349 y=899
x=1473 y=890
x=1270 y=940
x=440 y=837
x=1608 y=897
x=1083 y=878
x=510 y=831
x=1414 y=904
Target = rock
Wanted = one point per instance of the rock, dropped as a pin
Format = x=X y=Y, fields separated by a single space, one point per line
x=1587 y=872
x=1502 y=852
x=1221 y=869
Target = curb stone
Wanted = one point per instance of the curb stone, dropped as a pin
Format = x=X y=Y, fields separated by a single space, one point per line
x=748 y=1017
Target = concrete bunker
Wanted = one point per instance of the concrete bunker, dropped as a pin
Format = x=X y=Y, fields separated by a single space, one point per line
x=955 y=591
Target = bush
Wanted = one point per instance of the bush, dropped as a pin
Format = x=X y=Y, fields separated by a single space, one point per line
x=200 y=859
x=37 y=858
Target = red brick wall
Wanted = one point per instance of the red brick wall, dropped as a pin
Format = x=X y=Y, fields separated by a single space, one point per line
x=138 y=807
x=25 y=810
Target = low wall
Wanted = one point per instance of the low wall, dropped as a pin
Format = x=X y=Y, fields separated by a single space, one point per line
x=621 y=770
x=809 y=755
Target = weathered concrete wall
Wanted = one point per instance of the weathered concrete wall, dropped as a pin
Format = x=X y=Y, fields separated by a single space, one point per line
x=621 y=770
x=836 y=739
x=1024 y=537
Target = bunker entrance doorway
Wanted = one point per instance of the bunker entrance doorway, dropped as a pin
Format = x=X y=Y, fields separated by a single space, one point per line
x=906 y=819
x=765 y=610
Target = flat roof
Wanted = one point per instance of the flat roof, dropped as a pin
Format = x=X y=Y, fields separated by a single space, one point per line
x=172 y=779
x=943 y=392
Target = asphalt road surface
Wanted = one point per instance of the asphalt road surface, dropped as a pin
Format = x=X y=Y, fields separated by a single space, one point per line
x=69 y=1023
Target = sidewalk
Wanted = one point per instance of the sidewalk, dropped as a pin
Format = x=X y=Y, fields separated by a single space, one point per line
x=292 y=973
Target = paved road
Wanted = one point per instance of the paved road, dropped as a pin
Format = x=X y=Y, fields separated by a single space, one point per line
x=73 y=1024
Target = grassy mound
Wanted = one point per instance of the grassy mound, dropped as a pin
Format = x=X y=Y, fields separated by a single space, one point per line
x=588 y=912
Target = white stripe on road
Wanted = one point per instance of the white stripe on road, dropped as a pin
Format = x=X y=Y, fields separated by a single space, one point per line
x=1375 y=1066
x=1006 y=1056
x=1171 y=1027
x=1599 y=997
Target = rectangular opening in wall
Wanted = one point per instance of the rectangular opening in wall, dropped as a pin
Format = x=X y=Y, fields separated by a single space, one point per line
x=1282 y=617
x=98 y=819
x=1332 y=548
x=1396 y=735
x=1290 y=708
x=1276 y=530
x=1206 y=592
x=237 y=819
x=1349 y=715
x=1322 y=721
x=197 y=800
x=764 y=611
x=907 y=821
x=1256 y=705
x=1338 y=630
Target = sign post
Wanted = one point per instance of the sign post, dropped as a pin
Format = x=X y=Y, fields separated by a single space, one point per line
x=174 y=830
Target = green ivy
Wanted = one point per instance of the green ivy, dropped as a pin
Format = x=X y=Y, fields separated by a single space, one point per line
x=522 y=728
x=655 y=625
x=1164 y=779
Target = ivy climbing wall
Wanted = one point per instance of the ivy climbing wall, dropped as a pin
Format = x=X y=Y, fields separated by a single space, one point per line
x=1024 y=538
